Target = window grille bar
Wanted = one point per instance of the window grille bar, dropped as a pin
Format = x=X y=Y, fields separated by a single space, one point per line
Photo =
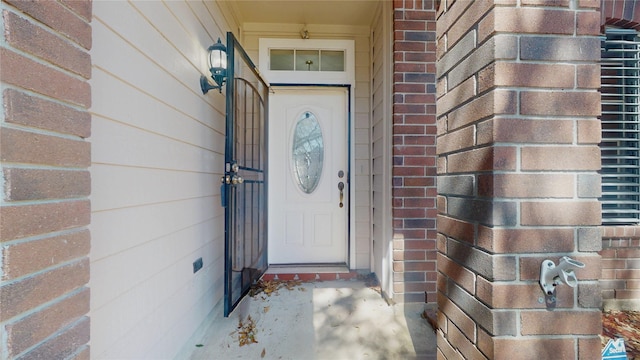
x=620 y=77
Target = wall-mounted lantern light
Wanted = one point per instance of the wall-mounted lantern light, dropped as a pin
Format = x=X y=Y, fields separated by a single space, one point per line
x=217 y=66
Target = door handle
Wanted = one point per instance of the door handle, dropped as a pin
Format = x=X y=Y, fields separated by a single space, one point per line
x=235 y=179
x=231 y=179
x=341 y=188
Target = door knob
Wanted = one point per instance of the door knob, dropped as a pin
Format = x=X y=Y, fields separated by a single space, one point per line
x=341 y=188
x=235 y=179
x=228 y=179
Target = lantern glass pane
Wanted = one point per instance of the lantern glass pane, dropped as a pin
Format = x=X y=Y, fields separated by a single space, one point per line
x=218 y=59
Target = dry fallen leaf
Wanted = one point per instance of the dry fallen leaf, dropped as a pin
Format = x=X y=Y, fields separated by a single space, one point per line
x=272 y=287
x=266 y=309
x=247 y=332
x=622 y=324
x=264 y=352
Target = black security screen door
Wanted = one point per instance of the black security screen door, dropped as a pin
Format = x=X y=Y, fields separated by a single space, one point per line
x=244 y=189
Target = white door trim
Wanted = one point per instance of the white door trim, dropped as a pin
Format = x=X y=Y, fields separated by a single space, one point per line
x=297 y=78
x=351 y=163
x=322 y=101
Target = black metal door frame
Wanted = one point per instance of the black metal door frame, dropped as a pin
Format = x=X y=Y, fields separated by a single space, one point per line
x=244 y=188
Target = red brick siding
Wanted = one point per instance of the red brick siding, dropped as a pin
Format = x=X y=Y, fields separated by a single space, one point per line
x=620 y=262
x=44 y=68
x=619 y=13
x=414 y=153
x=518 y=160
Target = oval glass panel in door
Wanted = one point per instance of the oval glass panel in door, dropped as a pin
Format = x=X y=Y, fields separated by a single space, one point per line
x=308 y=152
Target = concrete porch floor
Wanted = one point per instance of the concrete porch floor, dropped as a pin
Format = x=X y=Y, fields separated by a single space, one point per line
x=342 y=319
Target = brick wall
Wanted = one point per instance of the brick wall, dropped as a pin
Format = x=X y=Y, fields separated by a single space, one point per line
x=518 y=161
x=620 y=244
x=621 y=13
x=414 y=160
x=620 y=263
x=44 y=207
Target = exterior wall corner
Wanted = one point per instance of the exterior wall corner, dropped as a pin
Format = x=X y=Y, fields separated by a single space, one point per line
x=506 y=200
x=45 y=67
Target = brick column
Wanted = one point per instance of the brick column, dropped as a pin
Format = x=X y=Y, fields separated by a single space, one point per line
x=44 y=207
x=414 y=160
x=517 y=160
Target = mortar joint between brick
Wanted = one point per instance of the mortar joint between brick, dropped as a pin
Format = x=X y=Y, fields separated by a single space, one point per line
x=51 y=337
x=43 y=202
x=44 y=236
x=40 y=131
x=11 y=165
x=526 y=35
x=45 y=270
x=5 y=193
x=78 y=351
x=45 y=305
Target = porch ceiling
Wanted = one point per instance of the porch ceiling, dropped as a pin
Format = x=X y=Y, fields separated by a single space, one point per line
x=330 y=12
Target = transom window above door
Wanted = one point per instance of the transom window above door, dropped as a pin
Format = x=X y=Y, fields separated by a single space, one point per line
x=307 y=61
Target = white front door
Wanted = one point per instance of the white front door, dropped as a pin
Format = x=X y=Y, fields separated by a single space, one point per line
x=308 y=175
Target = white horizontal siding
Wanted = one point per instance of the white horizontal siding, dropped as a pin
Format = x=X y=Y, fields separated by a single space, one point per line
x=137 y=147
x=128 y=271
x=135 y=109
x=134 y=186
x=157 y=153
x=156 y=308
x=381 y=139
x=137 y=225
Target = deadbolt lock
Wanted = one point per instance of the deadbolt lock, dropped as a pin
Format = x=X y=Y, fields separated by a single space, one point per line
x=235 y=179
x=229 y=179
